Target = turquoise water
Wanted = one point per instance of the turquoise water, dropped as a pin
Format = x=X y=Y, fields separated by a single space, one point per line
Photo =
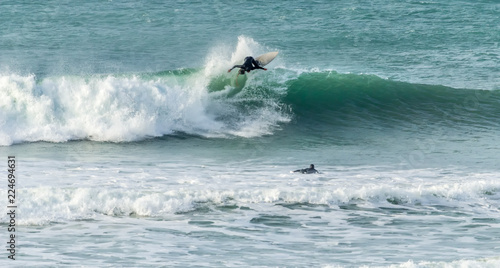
x=135 y=147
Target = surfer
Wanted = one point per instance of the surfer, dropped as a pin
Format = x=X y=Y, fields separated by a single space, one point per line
x=249 y=64
x=309 y=170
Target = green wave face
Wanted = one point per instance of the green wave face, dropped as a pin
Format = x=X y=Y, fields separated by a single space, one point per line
x=333 y=97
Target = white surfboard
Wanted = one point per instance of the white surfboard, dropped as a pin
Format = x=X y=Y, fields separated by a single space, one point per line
x=265 y=59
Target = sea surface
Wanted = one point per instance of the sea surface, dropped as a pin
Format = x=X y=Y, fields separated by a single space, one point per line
x=134 y=147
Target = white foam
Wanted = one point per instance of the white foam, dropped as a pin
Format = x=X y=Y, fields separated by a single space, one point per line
x=479 y=263
x=42 y=205
x=100 y=108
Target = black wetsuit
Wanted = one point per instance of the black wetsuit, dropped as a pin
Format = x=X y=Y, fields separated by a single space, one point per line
x=248 y=65
x=307 y=171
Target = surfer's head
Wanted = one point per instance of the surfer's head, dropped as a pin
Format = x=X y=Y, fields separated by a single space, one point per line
x=311 y=166
x=242 y=71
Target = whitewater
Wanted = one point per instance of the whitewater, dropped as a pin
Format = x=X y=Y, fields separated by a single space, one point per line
x=134 y=147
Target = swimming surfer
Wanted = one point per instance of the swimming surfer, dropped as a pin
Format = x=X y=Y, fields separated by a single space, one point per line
x=309 y=170
x=249 y=64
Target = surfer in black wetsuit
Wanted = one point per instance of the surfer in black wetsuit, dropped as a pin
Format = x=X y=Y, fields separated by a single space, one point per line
x=249 y=64
x=309 y=170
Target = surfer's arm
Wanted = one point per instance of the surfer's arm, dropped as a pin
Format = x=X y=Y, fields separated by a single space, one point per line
x=235 y=66
x=257 y=66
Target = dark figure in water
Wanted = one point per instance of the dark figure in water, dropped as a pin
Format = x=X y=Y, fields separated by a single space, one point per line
x=309 y=170
x=248 y=65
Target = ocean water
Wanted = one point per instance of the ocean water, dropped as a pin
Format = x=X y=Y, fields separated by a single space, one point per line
x=135 y=148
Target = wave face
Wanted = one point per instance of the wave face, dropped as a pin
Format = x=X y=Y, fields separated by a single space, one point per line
x=209 y=102
x=368 y=98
